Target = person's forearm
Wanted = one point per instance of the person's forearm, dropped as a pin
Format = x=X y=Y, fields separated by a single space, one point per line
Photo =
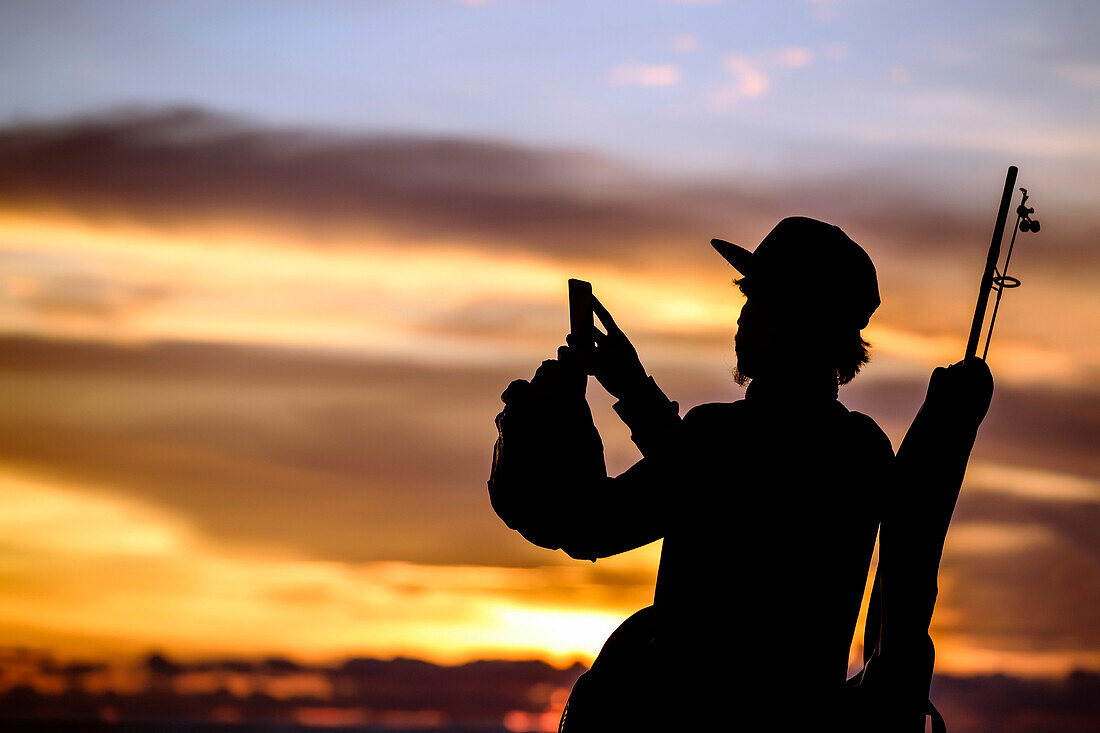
x=619 y=518
x=650 y=415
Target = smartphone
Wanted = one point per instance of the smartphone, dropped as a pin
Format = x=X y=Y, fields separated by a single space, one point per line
x=580 y=316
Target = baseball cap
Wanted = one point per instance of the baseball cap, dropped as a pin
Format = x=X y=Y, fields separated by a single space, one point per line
x=806 y=263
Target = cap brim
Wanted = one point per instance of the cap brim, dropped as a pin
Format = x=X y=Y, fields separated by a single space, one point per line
x=739 y=257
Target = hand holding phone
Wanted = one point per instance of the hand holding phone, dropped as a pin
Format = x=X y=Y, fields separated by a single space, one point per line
x=580 y=319
x=610 y=357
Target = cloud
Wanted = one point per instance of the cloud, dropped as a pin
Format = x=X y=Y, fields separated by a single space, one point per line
x=291 y=343
x=1036 y=484
x=978 y=538
x=184 y=168
x=92 y=558
x=328 y=459
x=823 y=10
x=684 y=43
x=751 y=77
x=81 y=295
x=750 y=81
x=144 y=226
x=1021 y=606
x=792 y=57
x=1055 y=444
x=645 y=75
x=251 y=448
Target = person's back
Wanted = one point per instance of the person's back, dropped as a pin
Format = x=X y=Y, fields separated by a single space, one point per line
x=763 y=573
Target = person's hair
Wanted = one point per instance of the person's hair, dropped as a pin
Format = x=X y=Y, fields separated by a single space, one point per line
x=847 y=350
x=851 y=353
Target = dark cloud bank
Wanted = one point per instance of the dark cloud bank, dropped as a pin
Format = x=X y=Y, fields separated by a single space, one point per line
x=473 y=696
x=183 y=164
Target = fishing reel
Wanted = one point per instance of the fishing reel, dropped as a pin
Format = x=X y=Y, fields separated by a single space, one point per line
x=1001 y=279
x=1024 y=212
x=995 y=279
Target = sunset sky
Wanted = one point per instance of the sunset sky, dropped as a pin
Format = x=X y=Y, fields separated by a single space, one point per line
x=265 y=269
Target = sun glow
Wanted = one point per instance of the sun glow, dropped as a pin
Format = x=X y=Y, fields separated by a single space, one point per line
x=97 y=557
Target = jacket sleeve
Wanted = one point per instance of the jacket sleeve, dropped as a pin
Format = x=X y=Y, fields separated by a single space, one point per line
x=622 y=513
x=651 y=416
x=549 y=480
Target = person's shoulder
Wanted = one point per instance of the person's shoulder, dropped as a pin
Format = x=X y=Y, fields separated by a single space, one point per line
x=867 y=430
x=710 y=412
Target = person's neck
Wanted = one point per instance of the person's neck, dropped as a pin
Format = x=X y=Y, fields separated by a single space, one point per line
x=794 y=386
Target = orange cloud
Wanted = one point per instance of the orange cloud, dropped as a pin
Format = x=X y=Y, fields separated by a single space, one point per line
x=97 y=559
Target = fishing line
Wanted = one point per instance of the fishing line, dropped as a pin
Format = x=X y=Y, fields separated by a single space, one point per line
x=1001 y=279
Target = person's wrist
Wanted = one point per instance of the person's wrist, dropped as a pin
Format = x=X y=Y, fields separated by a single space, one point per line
x=635 y=386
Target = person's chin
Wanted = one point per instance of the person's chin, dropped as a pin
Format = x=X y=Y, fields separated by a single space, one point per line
x=742 y=373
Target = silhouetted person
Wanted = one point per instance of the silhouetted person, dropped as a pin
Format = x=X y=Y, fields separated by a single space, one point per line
x=768 y=506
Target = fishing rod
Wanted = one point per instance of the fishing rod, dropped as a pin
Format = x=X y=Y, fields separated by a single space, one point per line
x=994 y=278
